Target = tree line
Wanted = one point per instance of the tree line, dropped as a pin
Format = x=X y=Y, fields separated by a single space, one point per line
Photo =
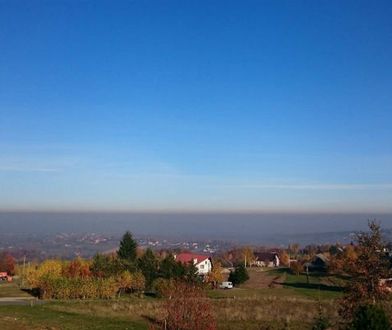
x=109 y=275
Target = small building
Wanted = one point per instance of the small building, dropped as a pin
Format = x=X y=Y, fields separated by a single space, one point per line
x=202 y=262
x=318 y=264
x=266 y=259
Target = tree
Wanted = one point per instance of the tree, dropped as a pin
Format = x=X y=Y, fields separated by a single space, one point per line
x=296 y=267
x=170 y=268
x=128 y=248
x=284 y=258
x=77 y=268
x=248 y=256
x=138 y=282
x=370 y=317
x=190 y=273
x=239 y=276
x=163 y=287
x=7 y=263
x=188 y=308
x=215 y=276
x=148 y=265
x=124 y=282
x=367 y=272
x=293 y=249
x=105 y=266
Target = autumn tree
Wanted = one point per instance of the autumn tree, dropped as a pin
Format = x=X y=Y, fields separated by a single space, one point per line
x=77 y=268
x=124 y=282
x=188 y=308
x=367 y=272
x=293 y=249
x=128 y=248
x=248 y=256
x=296 y=267
x=215 y=276
x=138 y=282
x=7 y=263
x=284 y=258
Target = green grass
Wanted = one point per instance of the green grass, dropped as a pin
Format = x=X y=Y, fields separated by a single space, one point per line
x=316 y=286
x=11 y=290
x=51 y=316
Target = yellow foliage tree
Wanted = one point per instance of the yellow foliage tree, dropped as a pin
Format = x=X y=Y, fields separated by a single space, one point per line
x=215 y=276
x=124 y=282
x=284 y=258
x=248 y=256
x=138 y=282
x=34 y=273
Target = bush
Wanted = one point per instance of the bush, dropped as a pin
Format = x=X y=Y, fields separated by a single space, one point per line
x=296 y=267
x=239 y=276
x=163 y=287
x=189 y=308
x=370 y=317
x=321 y=323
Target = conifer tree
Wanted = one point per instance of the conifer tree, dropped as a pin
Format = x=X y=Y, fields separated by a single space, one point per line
x=148 y=265
x=128 y=246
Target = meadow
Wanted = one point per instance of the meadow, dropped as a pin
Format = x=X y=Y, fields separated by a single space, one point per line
x=271 y=299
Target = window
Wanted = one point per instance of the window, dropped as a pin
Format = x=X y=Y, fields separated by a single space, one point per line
x=201 y=266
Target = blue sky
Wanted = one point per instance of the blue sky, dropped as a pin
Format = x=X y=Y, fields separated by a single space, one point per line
x=196 y=105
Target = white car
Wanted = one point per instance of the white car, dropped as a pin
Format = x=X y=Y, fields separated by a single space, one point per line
x=226 y=285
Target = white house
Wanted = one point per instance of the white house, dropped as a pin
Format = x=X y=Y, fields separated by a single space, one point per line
x=202 y=262
x=266 y=259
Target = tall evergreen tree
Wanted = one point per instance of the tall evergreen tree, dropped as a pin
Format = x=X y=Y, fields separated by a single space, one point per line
x=239 y=276
x=148 y=265
x=128 y=246
x=169 y=268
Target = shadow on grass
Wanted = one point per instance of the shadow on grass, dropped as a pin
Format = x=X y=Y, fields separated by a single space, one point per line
x=313 y=286
x=35 y=292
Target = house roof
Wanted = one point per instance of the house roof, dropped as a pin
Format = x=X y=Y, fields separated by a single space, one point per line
x=189 y=257
x=322 y=257
x=265 y=256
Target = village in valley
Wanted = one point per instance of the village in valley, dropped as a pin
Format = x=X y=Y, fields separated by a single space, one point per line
x=152 y=281
x=195 y=165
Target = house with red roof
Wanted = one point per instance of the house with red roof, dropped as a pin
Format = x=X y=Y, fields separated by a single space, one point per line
x=202 y=262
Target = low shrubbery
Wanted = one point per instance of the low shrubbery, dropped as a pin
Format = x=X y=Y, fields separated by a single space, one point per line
x=55 y=279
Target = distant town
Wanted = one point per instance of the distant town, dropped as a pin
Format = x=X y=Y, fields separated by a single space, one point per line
x=71 y=245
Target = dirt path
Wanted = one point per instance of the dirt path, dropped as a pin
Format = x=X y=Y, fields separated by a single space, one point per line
x=19 y=301
x=259 y=278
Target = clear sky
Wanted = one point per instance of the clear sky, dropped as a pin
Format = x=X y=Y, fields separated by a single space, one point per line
x=196 y=105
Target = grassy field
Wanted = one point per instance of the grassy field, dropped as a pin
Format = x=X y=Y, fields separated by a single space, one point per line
x=272 y=299
x=11 y=290
x=317 y=286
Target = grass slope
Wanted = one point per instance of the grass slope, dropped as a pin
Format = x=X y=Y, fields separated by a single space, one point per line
x=35 y=317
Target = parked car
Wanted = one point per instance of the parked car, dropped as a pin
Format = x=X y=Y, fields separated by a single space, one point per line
x=226 y=285
x=4 y=277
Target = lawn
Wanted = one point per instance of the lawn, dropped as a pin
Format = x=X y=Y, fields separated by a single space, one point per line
x=50 y=317
x=316 y=286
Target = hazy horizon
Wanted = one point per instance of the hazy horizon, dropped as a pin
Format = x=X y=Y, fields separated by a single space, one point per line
x=262 y=228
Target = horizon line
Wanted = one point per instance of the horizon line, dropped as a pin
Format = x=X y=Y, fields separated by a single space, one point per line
x=193 y=211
